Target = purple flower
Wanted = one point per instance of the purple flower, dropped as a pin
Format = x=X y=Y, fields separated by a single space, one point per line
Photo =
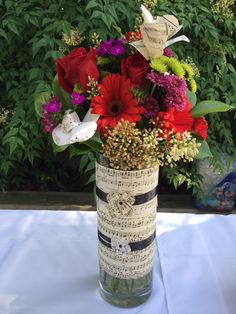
x=54 y=105
x=152 y=107
x=161 y=80
x=48 y=109
x=77 y=99
x=48 y=126
x=176 y=84
x=167 y=52
x=177 y=102
x=112 y=47
x=105 y=47
x=175 y=89
x=117 y=50
x=45 y=109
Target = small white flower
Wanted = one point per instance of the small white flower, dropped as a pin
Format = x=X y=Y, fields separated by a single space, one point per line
x=120 y=246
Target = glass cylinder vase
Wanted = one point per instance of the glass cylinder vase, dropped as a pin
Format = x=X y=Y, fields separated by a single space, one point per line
x=126 y=211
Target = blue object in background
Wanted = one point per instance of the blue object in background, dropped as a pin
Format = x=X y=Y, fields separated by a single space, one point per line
x=222 y=197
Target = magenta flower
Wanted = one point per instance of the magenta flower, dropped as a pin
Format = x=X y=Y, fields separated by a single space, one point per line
x=167 y=52
x=112 y=47
x=152 y=107
x=160 y=80
x=54 y=105
x=176 y=84
x=176 y=101
x=48 y=109
x=175 y=89
x=117 y=50
x=48 y=126
x=77 y=99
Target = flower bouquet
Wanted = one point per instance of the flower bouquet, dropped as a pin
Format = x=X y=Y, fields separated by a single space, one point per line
x=131 y=101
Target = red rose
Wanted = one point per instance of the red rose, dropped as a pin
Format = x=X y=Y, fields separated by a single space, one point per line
x=75 y=68
x=135 y=68
x=200 y=127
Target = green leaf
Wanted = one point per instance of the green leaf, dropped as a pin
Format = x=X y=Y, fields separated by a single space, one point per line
x=13 y=145
x=108 y=20
x=59 y=149
x=40 y=99
x=191 y=97
x=91 y=4
x=93 y=144
x=204 y=151
x=3 y=33
x=231 y=68
x=83 y=161
x=90 y=166
x=43 y=42
x=58 y=91
x=92 y=178
x=53 y=54
x=33 y=20
x=96 y=14
x=13 y=28
x=209 y=106
x=23 y=133
x=78 y=150
x=34 y=73
x=12 y=132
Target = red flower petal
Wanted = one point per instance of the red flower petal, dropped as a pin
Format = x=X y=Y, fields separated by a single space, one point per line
x=115 y=102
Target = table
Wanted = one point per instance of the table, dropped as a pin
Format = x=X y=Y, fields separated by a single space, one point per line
x=48 y=264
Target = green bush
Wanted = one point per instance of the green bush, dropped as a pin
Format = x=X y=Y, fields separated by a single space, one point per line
x=30 y=41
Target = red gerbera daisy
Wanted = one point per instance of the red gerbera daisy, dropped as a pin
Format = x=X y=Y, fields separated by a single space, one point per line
x=115 y=102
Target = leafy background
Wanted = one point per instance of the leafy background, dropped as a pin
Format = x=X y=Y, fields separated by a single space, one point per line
x=30 y=41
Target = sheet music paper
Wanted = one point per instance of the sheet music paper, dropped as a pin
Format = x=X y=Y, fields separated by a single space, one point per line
x=137 y=226
x=156 y=34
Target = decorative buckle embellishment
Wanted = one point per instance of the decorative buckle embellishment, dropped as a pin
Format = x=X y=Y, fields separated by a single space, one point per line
x=120 y=204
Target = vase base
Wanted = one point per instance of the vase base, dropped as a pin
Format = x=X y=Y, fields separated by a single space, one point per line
x=125 y=300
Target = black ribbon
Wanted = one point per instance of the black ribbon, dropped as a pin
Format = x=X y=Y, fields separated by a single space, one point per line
x=135 y=246
x=139 y=199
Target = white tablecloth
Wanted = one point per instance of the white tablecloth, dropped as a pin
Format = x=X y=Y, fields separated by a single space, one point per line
x=48 y=265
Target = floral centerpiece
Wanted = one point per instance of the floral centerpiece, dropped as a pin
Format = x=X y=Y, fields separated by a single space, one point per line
x=132 y=101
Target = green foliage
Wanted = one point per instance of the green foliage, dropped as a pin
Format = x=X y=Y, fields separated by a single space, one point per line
x=209 y=106
x=204 y=151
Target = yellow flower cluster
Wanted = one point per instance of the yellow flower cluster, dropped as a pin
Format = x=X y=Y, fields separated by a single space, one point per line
x=95 y=40
x=4 y=115
x=174 y=66
x=177 y=147
x=150 y=4
x=138 y=23
x=127 y=148
x=92 y=88
x=75 y=39
x=222 y=7
x=193 y=65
